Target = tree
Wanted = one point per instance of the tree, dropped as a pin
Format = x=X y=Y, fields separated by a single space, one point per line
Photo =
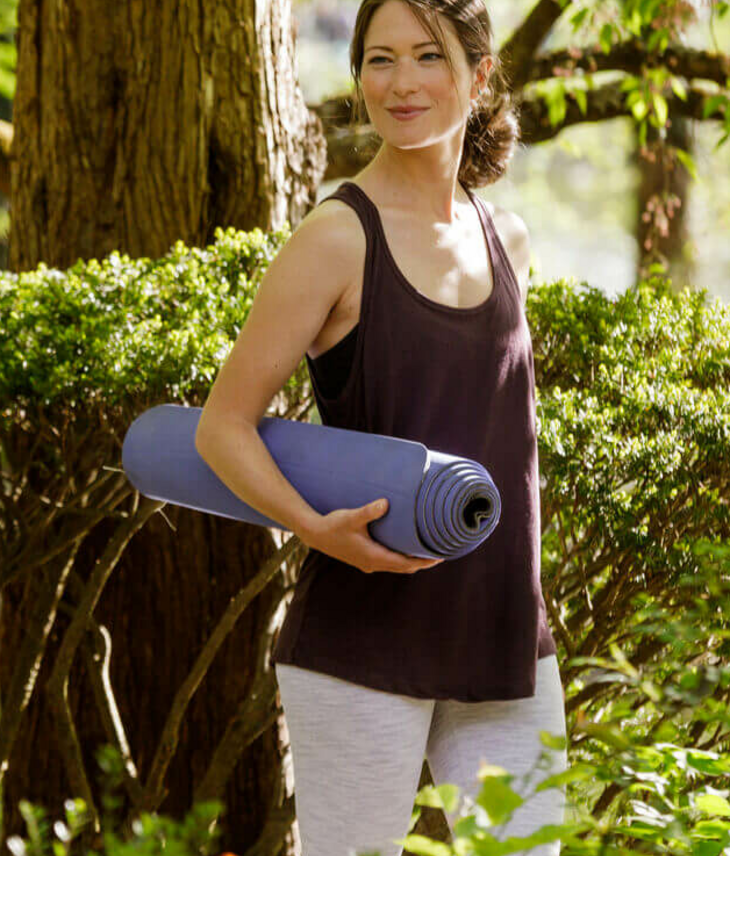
x=138 y=126
x=125 y=139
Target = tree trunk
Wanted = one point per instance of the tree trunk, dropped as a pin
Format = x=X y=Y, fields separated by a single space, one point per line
x=136 y=126
x=160 y=604
x=662 y=223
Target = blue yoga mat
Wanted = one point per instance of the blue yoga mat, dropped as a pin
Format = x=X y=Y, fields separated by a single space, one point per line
x=440 y=506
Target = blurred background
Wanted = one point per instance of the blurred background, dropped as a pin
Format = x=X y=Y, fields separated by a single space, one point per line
x=577 y=193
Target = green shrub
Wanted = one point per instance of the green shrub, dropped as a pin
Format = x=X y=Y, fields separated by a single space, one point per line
x=102 y=331
x=197 y=834
x=668 y=796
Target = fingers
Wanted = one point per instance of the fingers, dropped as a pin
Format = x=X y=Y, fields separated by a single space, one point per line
x=374 y=510
x=399 y=562
x=385 y=560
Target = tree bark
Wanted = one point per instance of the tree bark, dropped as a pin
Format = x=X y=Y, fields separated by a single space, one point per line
x=663 y=194
x=136 y=126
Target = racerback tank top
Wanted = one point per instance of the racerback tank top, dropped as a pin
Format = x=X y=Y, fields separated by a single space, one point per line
x=460 y=381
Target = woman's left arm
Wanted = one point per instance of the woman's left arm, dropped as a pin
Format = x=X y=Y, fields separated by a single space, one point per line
x=516 y=240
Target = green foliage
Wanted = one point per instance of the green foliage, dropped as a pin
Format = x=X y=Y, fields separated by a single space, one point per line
x=101 y=331
x=152 y=834
x=654 y=26
x=670 y=796
x=8 y=49
x=667 y=809
x=633 y=416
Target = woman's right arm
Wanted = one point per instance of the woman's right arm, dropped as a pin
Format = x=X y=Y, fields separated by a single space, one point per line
x=296 y=295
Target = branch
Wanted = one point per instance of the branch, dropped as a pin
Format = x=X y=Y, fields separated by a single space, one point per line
x=518 y=52
x=278 y=825
x=603 y=103
x=279 y=819
x=168 y=741
x=28 y=661
x=256 y=713
x=97 y=650
x=56 y=687
x=631 y=56
x=32 y=559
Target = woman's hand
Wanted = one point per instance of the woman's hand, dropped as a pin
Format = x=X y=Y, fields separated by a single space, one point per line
x=343 y=534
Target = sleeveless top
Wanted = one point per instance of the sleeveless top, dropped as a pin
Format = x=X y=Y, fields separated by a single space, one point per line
x=460 y=381
x=332 y=367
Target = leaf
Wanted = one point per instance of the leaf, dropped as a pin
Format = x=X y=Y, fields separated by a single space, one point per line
x=712 y=104
x=498 y=799
x=604 y=38
x=467 y=826
x=639 y=108
x=660 y=108
x=713 y=805
x=577 y=772
x=577 y=20
x=424 y=846
x=488 y=769
x=688 y=162
x=555 y=741
x=678 y=87
x=609 y=734
x=708 y=848
x=581 y=99
x=442 y=796
x=556 y=104
x=620 y=657
x=712 y=828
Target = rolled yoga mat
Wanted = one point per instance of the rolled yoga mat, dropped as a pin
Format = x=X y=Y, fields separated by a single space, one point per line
x=440 y=506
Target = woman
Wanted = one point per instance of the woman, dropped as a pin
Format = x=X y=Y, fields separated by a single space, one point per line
x=385 y=657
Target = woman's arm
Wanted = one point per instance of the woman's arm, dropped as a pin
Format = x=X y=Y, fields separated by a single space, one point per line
x=298 y=290
x=516 y=241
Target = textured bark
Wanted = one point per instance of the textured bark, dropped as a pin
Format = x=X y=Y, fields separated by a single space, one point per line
x=137 y=125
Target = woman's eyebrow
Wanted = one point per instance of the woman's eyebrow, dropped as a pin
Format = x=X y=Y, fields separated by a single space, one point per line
x=381 y=47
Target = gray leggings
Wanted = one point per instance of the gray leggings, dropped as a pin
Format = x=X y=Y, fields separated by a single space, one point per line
x=357 y=753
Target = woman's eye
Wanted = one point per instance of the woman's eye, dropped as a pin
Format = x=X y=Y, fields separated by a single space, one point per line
x=374 y=59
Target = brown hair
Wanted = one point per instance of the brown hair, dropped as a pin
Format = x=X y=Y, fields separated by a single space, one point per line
x=492 y=129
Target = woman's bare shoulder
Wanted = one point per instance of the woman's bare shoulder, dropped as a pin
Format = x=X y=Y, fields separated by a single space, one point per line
x=516 y=241
x=509 y=221
x=333 y=209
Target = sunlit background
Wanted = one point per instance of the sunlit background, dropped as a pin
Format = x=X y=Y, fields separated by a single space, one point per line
x=577 y=193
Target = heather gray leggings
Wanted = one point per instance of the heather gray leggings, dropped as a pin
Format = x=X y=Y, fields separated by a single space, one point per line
x=357 y=753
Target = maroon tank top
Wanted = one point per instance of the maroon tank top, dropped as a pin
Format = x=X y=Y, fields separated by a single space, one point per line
x=460 y=381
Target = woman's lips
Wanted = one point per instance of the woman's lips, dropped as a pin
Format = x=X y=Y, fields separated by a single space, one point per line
x=406 y=116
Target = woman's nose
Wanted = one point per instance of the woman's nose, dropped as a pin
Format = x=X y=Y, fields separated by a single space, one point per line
x=404 y=77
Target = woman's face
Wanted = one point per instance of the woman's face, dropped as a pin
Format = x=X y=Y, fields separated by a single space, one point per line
x=409 y=75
